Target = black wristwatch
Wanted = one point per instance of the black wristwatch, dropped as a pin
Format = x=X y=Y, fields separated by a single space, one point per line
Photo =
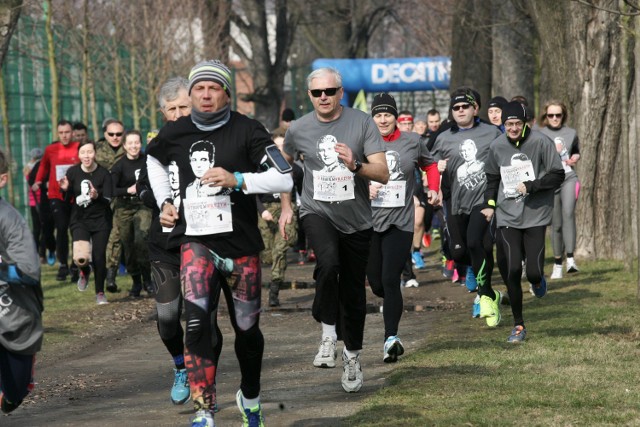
x=358 y=164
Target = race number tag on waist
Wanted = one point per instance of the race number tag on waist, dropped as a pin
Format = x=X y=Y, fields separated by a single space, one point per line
x=207 y=215
x=391 y=195
x=61 y=171
x=514 y=175
x=333 y=187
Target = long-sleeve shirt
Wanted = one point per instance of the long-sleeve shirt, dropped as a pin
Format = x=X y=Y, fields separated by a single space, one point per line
x=55 y=162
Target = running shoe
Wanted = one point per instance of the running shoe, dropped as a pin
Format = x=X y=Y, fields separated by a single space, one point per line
x=180 y=392
x=75 y=274
x=518 y=334
x=455 y=278
x=557 y=272
x=312 y=256
x=352 y=377
x=411 y=283
x=6 y=406
x=301 y=257
x=475 y=311
x=448 y=268
x=541 y=289
x=392 y=349
x=426 y=240
x=571 y=265
x=416 y=258
x=83 y=281
x=327 y=354
x=251 y=417
x=470 y=281
x=490 y=309
x=203 y=419
x=63 y=272
x=51 y=259
x=435 y=233
x=101 y=299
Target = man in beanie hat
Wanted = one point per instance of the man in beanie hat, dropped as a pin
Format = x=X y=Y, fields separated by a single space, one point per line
x=462 y=151
x=336 y=215
x=218 y=233
x=494 y=112
x=523 y=171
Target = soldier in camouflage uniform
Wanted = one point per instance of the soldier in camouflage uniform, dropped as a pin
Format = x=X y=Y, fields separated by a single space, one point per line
x=108 y=151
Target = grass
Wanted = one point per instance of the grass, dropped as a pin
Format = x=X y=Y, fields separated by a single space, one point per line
x=579 y=364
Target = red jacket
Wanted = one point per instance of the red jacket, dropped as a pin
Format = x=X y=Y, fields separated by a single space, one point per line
x=57 y=157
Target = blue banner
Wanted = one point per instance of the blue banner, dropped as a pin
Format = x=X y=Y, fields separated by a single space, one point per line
x=391 y=74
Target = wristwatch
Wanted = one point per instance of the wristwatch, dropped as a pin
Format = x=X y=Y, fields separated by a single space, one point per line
x=358 y=164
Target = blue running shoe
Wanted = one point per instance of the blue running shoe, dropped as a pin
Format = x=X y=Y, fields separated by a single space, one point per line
x=392 y=349
x=475 y=312
x=51 y=259
x=541 y=289
x=180 y=392
x=416 y=257
x=518 y=334
x=472 y=284
x=203 y=419
x=251 y=417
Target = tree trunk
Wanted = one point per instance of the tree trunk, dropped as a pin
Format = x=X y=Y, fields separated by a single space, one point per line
x=514 y=64
x=85 y=63
x=471 y=47
x=7 y=136
x=51 y=54
x=9 y=15
x=580 y=65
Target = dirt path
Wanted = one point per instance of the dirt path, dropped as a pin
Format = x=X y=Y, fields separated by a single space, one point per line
x=123 y=377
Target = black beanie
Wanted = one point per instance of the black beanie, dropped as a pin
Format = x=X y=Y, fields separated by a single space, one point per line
x=288 y=115
x=384 y=103
x=514 y=111
x=497 y=102
x=462 y=96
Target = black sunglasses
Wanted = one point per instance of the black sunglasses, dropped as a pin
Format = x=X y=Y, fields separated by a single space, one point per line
x=330 y=91
x=551 y=115
x=112 y=134
x=461 y=107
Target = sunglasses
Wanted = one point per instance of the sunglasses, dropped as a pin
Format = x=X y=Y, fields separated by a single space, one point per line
x=330 y=91
x=461 y=107
x=551 y=116
x=112 y=134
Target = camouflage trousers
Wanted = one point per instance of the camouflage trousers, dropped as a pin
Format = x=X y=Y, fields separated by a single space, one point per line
x=275 y=252
x=134 y=221
x=114 y=247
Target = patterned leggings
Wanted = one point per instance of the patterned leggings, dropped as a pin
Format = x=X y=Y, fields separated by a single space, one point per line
x=201 y=286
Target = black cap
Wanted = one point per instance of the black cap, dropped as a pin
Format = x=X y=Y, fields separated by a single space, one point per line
x=514 y=111
x=288 y=115
x=384 y=103
x=497 y=102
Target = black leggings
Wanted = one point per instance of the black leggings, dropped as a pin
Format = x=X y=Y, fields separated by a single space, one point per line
x=166 y=278
x=61 y=212
x=387 y=257
x=98 y=241
x=511 y=244
x=472 y=244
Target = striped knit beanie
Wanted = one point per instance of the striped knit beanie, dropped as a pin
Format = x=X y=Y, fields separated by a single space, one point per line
x=212 y=70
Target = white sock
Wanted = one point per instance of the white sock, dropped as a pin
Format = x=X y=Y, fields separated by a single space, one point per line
x=351 y=353
x=329 y=331
x=250 y=403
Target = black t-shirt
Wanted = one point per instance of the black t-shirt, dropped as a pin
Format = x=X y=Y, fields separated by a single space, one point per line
x=125 y=172
x=238 y=146
x=94 y=213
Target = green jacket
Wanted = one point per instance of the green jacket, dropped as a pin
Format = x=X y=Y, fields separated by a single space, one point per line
x=105 y=156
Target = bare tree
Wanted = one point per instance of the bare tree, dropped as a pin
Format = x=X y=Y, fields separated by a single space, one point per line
x=9 y=15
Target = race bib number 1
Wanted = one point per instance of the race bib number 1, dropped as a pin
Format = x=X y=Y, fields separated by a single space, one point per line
x=208 y=215
x=333 y=187
x=391 y=195
x=514 y=175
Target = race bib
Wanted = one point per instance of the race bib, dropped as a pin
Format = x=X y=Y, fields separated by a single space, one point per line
x=391 y=195
x=333 y=187
x=61 y=171
x=207 y=215
x=514 y=175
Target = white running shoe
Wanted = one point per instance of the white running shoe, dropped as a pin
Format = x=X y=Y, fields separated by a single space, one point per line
x=83 y=283
x=392 y=349
x=411 y=283
x=327 y=354
x=352 y=377
x=557 y=271
x=571 y=265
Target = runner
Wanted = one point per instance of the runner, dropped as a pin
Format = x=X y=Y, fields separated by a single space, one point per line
x=393 y=215
x=523 y=170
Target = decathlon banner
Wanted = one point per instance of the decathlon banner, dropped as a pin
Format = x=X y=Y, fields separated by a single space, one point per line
x=391 y=74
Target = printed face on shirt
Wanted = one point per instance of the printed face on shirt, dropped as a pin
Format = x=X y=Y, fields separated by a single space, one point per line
x=468 y=150
x=327 y=150
x=174 y=177
x=201 y=157
x=65 y=134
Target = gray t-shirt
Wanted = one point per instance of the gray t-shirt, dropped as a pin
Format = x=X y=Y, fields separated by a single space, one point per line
x=466 y=151
x=536 y=208
x=403 y=155
x=564 y=138
x=329 y=189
